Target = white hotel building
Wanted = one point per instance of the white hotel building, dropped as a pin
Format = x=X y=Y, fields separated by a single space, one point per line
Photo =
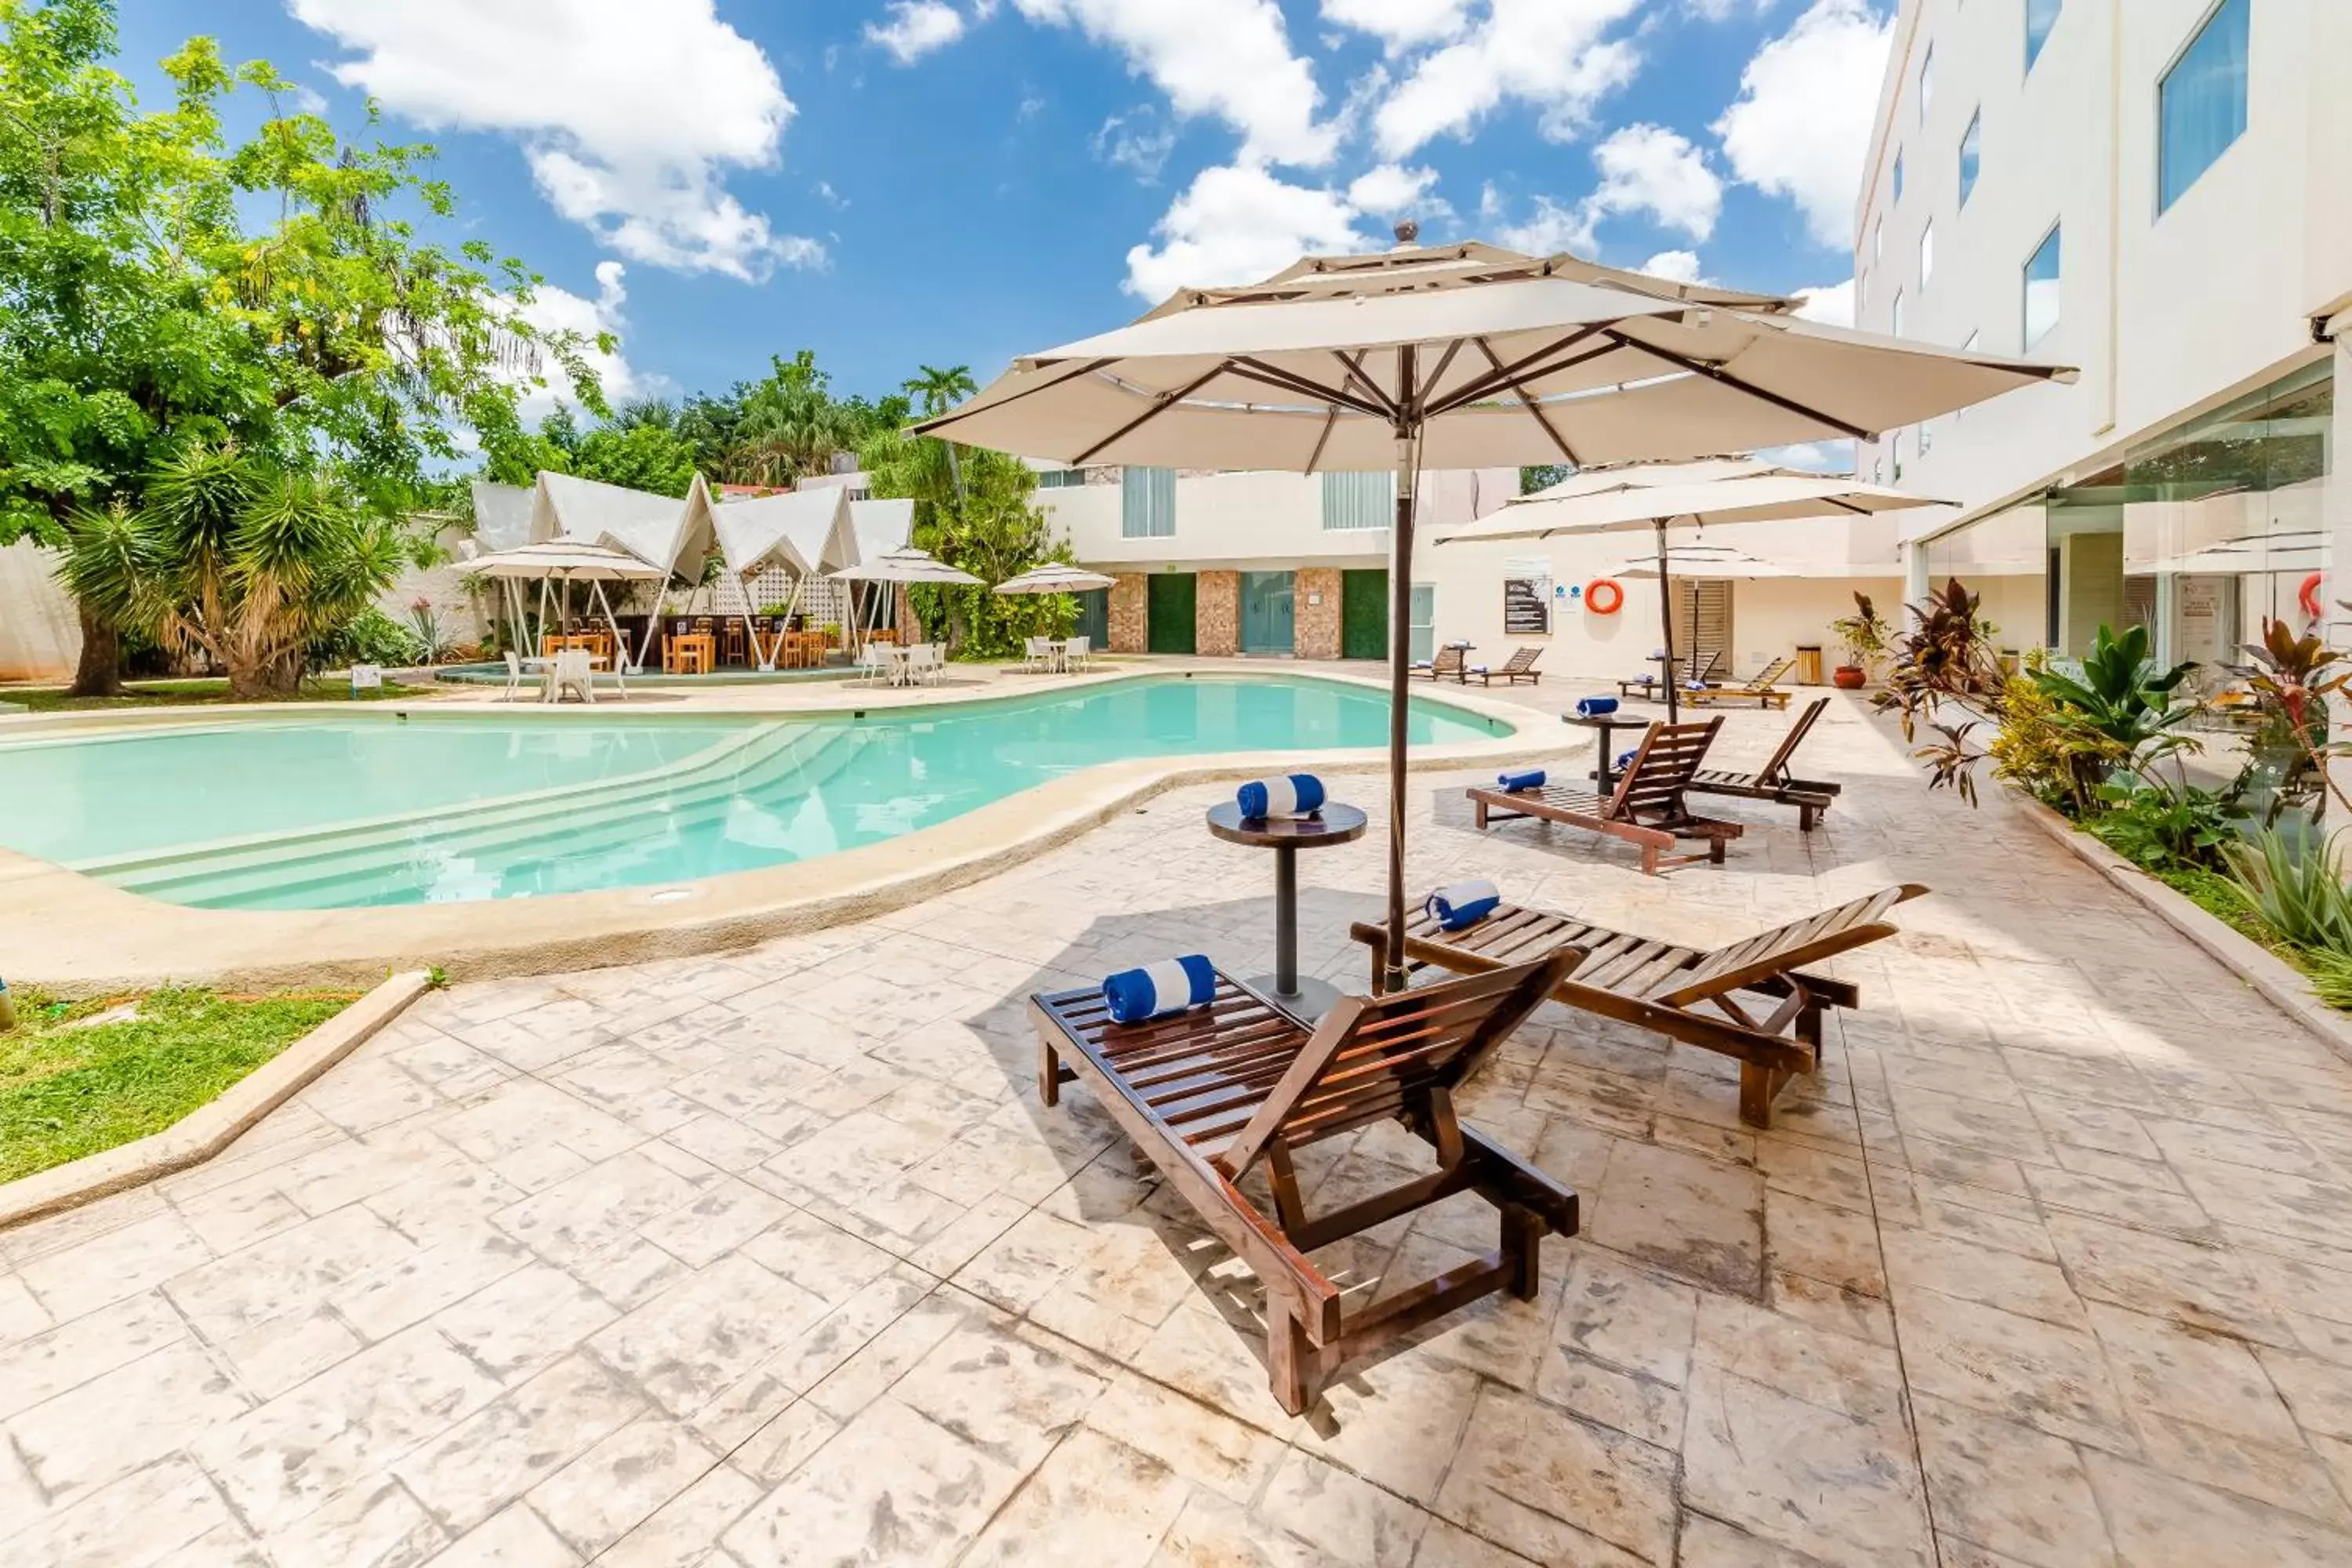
x=2160 y=193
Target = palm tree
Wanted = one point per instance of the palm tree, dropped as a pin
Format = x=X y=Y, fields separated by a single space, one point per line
x=938 y=391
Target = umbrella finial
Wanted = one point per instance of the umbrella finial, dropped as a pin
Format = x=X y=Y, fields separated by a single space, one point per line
x=1407 y=232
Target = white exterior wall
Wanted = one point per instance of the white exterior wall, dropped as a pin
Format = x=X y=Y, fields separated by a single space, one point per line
x=40 y=635
x=2164 y=314
x=1257 y=521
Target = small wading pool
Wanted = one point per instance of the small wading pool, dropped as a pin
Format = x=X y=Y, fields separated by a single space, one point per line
x=379 y=809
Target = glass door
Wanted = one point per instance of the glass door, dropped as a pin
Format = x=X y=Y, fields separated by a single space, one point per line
x=1423 y=628
x=1268 y=610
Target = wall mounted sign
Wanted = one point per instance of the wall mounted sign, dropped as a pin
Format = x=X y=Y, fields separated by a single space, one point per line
x=1527 y=608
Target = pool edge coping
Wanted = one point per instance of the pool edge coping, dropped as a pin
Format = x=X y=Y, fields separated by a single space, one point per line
x=214 y=1126
x=101 y=937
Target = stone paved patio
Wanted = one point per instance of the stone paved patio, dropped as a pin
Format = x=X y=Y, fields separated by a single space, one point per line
x=773 y=1257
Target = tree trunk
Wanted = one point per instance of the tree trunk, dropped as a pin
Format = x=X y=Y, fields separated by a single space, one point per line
x=264 y=680
x=99 y=673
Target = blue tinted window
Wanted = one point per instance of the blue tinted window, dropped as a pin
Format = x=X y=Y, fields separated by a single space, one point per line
x=1898 y=176
x=2203 y=101
x=2041 y=15
x=1969 y=140
x=2042 y=292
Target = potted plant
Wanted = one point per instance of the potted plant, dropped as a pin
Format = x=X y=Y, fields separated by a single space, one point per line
x=1864 y=636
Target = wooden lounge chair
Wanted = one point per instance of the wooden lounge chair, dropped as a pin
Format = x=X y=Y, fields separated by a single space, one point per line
x=1686 y=993
x=1649 y=686
x=1447 y=662
x=1645 y=808
x=1209 y=1095
x=1773 y=780
x=1760 y=691
x=1521 y=666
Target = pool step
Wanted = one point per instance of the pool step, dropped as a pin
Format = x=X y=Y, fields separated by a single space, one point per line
x=769 y=756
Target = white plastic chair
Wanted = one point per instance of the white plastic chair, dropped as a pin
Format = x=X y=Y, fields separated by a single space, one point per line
x=514 y=676
x=573 y=672
x=925 y=664
x=1077 y=654
x=1036 y=654
x=874 y=664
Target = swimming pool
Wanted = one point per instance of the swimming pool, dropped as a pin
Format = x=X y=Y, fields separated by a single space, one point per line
x=377 y=809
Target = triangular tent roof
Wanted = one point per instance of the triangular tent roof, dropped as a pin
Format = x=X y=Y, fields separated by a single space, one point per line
x=805 y=531
x=675 y=534
x=501 y=515
x=883 y=525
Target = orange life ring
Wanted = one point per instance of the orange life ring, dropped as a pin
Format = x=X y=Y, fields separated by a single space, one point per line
x=2308 y=596
x=1593 y=590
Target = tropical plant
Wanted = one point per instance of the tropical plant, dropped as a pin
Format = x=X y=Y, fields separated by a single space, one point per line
x=2122 y=694
x=2038 y=745
x=2160 y=825
x=1945 y=677
x=936 y=390
x=236 y=557
x=989 y=527
x=369 y=637
x=2295 y=887
x=168 y=290
x=2294 y=676
x=1865 y=633
x=433 y=643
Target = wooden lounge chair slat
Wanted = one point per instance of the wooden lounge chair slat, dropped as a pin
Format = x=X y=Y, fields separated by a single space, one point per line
x=1774 y=1033
x=1647 y=807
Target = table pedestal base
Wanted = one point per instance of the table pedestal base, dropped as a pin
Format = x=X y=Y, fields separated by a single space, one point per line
x=1313 y=999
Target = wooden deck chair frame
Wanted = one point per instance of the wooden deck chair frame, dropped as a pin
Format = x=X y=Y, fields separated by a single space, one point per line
x=1444 y=662
x=1520 y=666
x=1212 y=1094
x=1775 y=781
x=1646 y=809
x=1760 y=691
x=1647 y=685
x=1685 y=993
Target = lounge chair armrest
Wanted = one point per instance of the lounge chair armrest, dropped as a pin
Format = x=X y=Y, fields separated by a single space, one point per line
x=1506 y=1178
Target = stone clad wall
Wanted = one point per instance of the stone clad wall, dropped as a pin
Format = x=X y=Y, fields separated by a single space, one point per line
x=1130 y=612
x=1315 y=627
x=1217 y=614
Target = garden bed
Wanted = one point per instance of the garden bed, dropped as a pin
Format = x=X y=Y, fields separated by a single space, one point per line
x=80 y=1078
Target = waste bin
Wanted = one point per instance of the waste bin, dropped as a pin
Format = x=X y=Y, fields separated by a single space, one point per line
x=1809 y=663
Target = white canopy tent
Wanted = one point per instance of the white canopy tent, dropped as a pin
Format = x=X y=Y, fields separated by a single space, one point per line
x=807 y=532
x=1651 y=496
x=1459 y=356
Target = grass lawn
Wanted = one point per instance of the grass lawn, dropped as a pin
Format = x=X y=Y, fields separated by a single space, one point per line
x=68 y=1087
x=169 y=693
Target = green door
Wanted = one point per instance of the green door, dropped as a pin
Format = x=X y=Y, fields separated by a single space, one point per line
x=1364 y=614
x=1168 y=606
x=1268 y=612
x=1094 y=617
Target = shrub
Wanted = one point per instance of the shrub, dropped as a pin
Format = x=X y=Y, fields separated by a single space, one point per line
x=2295 y=888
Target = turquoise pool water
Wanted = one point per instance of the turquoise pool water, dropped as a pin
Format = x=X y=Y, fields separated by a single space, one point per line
x=374 y=809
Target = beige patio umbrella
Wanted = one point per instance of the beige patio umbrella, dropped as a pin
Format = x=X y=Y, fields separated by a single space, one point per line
x=565 y=561
x=1650 y=497
x=1055 y=577
x=906 y=565
x=1455 y=357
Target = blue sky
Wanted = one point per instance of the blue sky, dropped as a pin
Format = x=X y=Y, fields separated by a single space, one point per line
x=895 y=182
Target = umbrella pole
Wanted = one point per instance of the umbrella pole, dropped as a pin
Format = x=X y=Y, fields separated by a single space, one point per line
x=1666 y=624
x=1400 y=691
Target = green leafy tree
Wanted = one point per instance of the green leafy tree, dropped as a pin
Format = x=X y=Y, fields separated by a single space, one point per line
x=244 y=558
x=168 y=290
x=989 y=527
x=936 y=390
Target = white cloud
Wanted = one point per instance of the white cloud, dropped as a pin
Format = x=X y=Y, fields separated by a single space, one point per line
x=916 y=28
x=553 y=309
x=1555 y=55
x=1230 y=59
x=1831 y=303
x=1401 y=24
x=1674 y=266
x=592 y=88
x=1648 y=168
x=1392 y=190
x=1801 y=127
x=1235 y=225
x=1138 y=140
x=1552 y=228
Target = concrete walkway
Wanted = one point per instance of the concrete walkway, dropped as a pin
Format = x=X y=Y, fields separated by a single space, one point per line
x=772 y=1258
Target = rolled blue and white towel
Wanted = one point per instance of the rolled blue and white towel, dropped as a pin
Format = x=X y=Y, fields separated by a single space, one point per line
x=1594 y=707
x=1295 y=795
x=1625 y=760
x=1160 y=990
x=1525 y=779
x=1460 y=904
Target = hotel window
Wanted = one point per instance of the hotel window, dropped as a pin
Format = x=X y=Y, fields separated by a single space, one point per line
x=1966 y=348
x=2201 y=102
x=1897 y=317
x=1878 y=242
x=1359 y=502
x=1895 y=451
x=2041 y=15
x=1061 y=478
x=1146 y=503
x=1926 y=82
x=1927 y=255
x=1898 y=176
x=1971 y=141
x=1926 y=436
x=2042 y=292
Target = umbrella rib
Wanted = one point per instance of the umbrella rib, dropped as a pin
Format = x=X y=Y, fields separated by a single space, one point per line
x=1274 y=375
x=1330 y=423
x=1487 y=383
x=1168 y=400
x=1420 y=395
x=1715 y=372
x=1501 y=375
x=1089 y=368
x=1527 y=402
x=1361 y=377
